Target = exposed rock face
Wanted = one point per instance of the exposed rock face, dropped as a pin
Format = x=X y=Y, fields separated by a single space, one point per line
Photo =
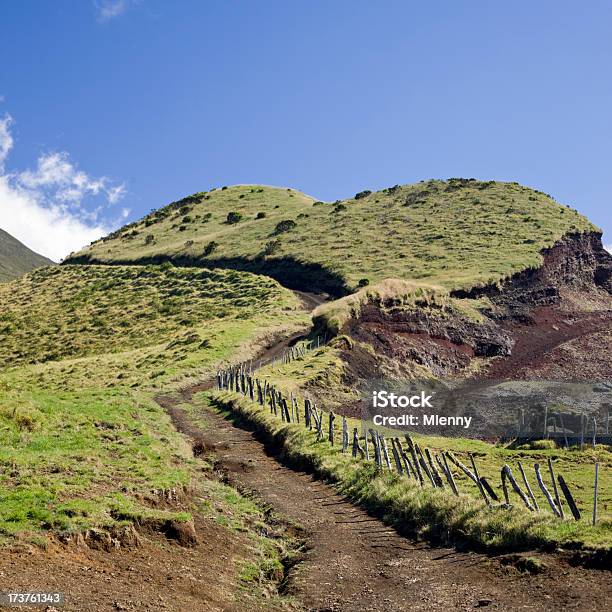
x=555 y=300
x=485 y=339
x=578 y=262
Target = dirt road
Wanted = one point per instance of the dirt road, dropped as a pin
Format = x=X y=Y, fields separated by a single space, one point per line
x=354 y=561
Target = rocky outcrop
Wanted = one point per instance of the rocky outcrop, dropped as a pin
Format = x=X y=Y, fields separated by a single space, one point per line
x=577 y=262
x=444 y=340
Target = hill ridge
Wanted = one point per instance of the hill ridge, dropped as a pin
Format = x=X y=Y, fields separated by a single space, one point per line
x=16 y=258
x=458 y=233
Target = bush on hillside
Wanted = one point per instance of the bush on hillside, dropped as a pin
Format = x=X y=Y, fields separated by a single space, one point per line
x=209 y=248
x=261 y=215
x=272 y=247
x=233 y=217
x=362 y=194
x=284 y=226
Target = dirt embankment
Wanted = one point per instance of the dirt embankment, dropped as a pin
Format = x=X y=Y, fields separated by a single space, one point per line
x=524 y=332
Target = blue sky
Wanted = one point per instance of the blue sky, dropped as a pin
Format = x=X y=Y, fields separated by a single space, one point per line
x=112 y=108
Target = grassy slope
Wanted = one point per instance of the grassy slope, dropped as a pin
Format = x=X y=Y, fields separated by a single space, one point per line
x=16 y=259
x=453 y=233
x=82 y=350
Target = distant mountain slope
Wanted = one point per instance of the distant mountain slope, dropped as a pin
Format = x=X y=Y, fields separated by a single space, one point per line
x=16 y=259
x=458 y=233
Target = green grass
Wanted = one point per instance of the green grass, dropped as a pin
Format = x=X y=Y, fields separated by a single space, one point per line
x=435 y=513
x=454 y=233
x=73 y=311
x=82 y=443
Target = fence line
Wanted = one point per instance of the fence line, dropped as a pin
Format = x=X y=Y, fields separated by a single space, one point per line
x=417 y=464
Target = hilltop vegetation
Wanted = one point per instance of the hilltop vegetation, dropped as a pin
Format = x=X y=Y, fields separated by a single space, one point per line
x=82 y=351
x=16 y=259
x=455 y=233
x=69 y=311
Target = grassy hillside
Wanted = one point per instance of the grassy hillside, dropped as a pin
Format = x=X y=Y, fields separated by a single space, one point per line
x=16 y=259
x=74 y=311
x=453 y=233
x=82 y=352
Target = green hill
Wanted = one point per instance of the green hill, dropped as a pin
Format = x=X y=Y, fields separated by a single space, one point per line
x=457 y=233
x=83 y=350
x=16 y=259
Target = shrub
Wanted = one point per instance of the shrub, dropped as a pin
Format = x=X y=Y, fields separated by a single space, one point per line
x=261 y=215
x=271 y=247
x=362 y=194
x=339 y=208
x=149 y=239
x=187 y=219
x=284 y=226
x=364 y=282
x=209 y=248
x=233 y=217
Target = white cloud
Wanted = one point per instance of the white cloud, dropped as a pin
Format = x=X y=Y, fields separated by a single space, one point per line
x=110 y=9
x=608 y=248
x=6 y=140
x=45 y=207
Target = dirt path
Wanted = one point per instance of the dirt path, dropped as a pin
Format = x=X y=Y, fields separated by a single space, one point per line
x=354 y=561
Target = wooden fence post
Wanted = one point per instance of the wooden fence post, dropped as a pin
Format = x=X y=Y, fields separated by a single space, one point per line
x=547 y=495
x=506 y=472
x=345 y=435
x=407 y=467
x=356 y=446
x=385 y=449
x=569 y=498
x=479 y=484
x=595 y=487
x=555 y=490
x=319 y=422
x=462 y=467
x=489 y=489
x=534 y=501
x=434 y=472
x=449 y=476
x=332 y=418
x=377 y=458
x=423 y=464
x=415 y=459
